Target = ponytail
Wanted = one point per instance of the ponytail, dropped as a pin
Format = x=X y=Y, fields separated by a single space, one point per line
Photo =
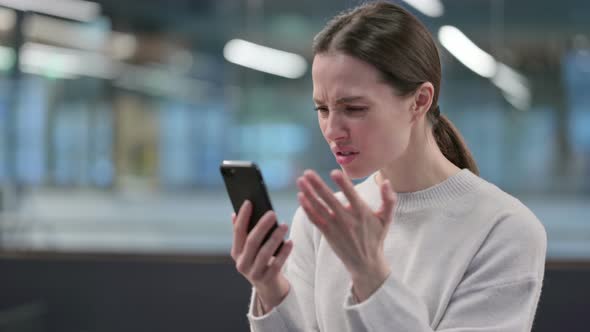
x=451 y=143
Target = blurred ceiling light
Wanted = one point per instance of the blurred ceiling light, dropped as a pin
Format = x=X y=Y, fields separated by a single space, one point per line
x=466 y=51
x=94 y=37
x=79 y=10
x=122 y=45
x=432 y=8
x=61 y=62
x=264 y=59
x=514 y=86
x=66 y=33
x=40 y=62
x=7 y=19
x=6 y=58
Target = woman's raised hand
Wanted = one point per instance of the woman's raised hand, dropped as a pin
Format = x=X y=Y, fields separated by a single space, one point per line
x=354 y=231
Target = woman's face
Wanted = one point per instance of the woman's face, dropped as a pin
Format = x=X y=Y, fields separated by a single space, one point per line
x=363 y=120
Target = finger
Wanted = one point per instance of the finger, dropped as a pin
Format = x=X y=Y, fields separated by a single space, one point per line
x=311 y=196
x=389 y=198
x=312 y=214
x=277 y=263
x=323 y=191
x=241 y=228
x=255 y=238
x=347 y=189
x=233 y=218
x=267 y=250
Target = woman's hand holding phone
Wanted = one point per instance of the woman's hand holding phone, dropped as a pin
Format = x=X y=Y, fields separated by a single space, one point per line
x=254 y=259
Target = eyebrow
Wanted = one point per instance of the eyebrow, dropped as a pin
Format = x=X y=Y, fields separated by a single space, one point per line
x=343 y=99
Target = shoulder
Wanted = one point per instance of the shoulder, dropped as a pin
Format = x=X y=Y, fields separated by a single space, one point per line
x=514 y=234
x=509 y=213
x=490 y=204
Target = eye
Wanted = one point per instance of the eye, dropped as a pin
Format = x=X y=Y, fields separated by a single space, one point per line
x=322 y=110
x=355 y=110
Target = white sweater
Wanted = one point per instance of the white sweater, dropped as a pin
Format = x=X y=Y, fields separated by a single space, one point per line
x=465 y=256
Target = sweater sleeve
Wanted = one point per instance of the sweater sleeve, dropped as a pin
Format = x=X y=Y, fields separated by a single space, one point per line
x=289 y=315
x=499 y=292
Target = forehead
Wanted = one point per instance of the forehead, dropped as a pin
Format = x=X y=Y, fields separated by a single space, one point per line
x=337 y=74
x=334 y=66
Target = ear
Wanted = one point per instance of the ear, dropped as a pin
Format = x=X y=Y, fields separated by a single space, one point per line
x=422 y=100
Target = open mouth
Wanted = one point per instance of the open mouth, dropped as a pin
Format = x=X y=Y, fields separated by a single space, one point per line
x=344 y=158
x=349 y=153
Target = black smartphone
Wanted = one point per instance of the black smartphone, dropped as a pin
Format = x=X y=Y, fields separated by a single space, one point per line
x=243 y=181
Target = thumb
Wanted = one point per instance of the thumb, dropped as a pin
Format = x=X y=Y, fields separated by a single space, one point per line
x=389 y=199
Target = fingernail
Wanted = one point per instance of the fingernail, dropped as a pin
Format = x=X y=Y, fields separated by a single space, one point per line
x=335 y=173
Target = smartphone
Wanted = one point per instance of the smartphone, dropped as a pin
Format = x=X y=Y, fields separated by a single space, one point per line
x=243 y=181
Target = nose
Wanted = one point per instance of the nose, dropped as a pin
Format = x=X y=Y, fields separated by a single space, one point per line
x=335 y=128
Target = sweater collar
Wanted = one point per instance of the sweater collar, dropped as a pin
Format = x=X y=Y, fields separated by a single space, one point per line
x=438 y=195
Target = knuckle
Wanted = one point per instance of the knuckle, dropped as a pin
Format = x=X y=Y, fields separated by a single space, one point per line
x=235 y=254
x=266 y=250
x=276 y=266
x=241 y=266
x=272 y=270
x=250 y=241
x=256 y=276
x=257 y=272
x=264 y=254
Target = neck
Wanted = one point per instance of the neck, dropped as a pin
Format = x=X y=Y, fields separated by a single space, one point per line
x=422 y=166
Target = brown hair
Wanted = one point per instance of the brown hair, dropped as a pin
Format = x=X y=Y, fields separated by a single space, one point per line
x=401 y=48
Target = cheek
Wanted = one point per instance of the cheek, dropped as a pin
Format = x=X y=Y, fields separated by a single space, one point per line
x=322 y=124
x=391 y=139
x=399 y=139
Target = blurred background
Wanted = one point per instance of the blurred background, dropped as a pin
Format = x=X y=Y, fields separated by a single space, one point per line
x=115 y=116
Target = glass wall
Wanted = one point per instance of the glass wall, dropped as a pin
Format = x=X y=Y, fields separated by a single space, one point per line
x=114 y=117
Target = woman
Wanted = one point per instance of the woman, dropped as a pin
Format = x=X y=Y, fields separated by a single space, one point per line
x=448 y=252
